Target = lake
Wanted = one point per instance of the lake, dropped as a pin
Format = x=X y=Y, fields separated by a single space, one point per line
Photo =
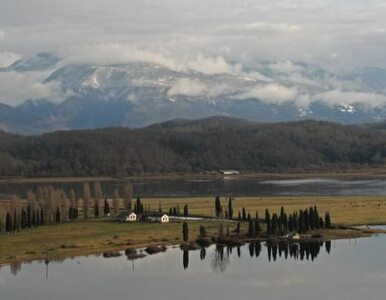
x=233 y=186
x=345 y=269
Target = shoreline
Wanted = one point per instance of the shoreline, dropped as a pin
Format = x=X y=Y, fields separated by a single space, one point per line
x=344 y=232
x=366 y=173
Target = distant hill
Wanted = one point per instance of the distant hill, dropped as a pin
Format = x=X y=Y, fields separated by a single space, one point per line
x=193 y=146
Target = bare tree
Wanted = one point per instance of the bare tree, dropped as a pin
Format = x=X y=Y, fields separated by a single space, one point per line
x=127 y=195
x=115 y=201
x=98 y=196
x=86 y=199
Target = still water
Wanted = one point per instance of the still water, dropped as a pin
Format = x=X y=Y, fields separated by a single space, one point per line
x=346 y=269
x=236 y=186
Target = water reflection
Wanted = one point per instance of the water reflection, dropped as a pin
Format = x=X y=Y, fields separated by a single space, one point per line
x=307 y=251
x=346 y=270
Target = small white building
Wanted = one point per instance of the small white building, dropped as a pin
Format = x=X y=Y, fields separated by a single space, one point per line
x=229 y=172
x=161 y=217
x=127 y=217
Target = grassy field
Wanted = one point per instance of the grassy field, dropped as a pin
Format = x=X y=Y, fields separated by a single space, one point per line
x=350 y=210
x=96 y=236
x=90 y=237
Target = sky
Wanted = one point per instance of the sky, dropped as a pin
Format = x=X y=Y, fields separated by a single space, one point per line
x=332 y=32
x=211 y=36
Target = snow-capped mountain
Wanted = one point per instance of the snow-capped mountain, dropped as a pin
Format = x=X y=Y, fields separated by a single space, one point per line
x=139 y=93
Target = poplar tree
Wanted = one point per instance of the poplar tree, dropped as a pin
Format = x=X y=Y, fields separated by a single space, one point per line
x=127 y=195
x=115 y=201
x=86 y=199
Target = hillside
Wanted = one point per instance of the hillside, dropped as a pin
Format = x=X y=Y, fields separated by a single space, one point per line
x=192 y=146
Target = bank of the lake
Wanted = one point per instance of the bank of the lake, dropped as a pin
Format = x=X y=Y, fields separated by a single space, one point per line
x=94 y=236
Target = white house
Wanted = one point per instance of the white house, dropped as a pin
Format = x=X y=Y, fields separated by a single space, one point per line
x=160 y=217
x=229 y=172
x=127 y=217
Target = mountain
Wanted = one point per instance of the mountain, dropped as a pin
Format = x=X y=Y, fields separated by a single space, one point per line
x=193 y=146
x=39 y=62
x=16 y=120
x=138 y=94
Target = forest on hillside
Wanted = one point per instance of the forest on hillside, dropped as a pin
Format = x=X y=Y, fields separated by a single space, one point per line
x=193 y=146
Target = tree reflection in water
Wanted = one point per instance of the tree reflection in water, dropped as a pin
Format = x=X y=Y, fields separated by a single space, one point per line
x=275 y=250
x=220 y=261
x=185 y=259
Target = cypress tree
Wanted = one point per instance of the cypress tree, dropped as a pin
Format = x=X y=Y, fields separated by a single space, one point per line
x=317 y=218
x=34 y=218
x=238 y=228
x=106 y=208
x=301 y=222
x=138 y=206
x=257 y=224
x=327 y=220
x=306 y=220
x=174 y=211
x=268 y=221
x=186 y=212
x=29 y=216
x=185 y=231
x=244 y=214
x=321 y=223
x=217 y=207
x=239 y=216
x=170 y=211
x=311 y=216
x=8 y=222
x=37 y=224
x=96 y=210
x=42 y=220
x=274 y=224
x=230 y=208
x=14 y=221
x=282 y=213
x=57 y=216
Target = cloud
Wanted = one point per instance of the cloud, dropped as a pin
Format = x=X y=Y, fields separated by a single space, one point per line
x=213 y=65
x=113 y=53
x=272 y=93
x=286 y=67
x=196 y=88
x=337 y=97
x=187 y=87
x=17 y=87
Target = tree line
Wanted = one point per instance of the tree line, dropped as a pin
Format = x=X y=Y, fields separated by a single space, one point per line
x=193 y=146
x=50 y=206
